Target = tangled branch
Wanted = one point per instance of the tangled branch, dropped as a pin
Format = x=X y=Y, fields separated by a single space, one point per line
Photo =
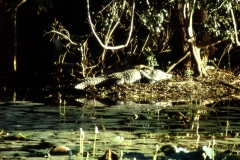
x=99 y=40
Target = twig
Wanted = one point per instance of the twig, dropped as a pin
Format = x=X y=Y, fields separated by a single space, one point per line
x=218 y=7
x=229 y=85
x=23 y=1
x=227 y=49
x=173 y=65
x=105 y=7
x=63 y=35
x=145 y=43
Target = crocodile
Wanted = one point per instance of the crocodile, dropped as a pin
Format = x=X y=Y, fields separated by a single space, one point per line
x=128 y=76
x=97 y=102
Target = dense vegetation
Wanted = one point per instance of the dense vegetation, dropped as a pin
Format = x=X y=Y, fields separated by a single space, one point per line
x=95 y=36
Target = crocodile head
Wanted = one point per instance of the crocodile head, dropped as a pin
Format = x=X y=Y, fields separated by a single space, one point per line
x=155 y=74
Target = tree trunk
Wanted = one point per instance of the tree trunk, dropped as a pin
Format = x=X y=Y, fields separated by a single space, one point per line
x=179 y=35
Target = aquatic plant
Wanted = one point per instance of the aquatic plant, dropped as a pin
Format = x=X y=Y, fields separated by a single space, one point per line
x=95 y=139
x=81 y=137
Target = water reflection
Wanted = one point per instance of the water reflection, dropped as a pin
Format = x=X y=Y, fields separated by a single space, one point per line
x=172 y=117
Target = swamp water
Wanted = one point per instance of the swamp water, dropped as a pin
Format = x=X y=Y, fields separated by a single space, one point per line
x=30 y=130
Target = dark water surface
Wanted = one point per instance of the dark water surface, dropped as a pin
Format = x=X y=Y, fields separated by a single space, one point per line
x=142 y=126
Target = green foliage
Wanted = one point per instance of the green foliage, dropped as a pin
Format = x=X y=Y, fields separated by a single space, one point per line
x=220 y=20
x=189 y=72
x=155 y=23
x=152 y=62
x=153 y=19
x=43 y=5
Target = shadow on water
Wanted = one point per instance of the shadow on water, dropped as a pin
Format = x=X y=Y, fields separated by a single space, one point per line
x=33 y=128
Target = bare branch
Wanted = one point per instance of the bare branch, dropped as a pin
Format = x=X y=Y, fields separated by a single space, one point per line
x=23 y=1
x=99 y=40
x=192 y=40
x=105 y=7
x=226 y=50
x=235 y=27
x=218 y=7
x=180 y=60
x=144 y=45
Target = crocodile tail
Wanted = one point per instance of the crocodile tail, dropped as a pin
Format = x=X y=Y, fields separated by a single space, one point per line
x=91 y=82
x=80 y=85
